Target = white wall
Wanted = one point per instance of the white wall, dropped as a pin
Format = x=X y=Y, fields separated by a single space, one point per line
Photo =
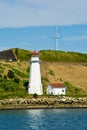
x=56 y=91
x=35 y=77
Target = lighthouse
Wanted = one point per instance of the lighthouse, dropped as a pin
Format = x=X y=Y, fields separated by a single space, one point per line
x=35 y=85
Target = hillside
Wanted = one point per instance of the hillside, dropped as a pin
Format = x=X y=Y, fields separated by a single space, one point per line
x=72 y=73
x=45 y=55
x=61 y=56
x=52 y=56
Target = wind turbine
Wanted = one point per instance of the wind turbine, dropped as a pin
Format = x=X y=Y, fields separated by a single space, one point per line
x=57 y=38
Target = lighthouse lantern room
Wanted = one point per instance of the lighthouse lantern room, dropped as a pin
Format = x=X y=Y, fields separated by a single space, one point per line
x=35 y=85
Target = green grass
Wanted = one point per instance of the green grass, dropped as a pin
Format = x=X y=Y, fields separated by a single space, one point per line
x=55 y=56
x=10 y=89
x=28 y=70
x=8 y=95
x=52 y=56
x=1 y=71
x=23 y=55
x=7 y=65
x=20 y=73
x=10 y=85
x=51 y=72
x=74 y=91
x=44 y=79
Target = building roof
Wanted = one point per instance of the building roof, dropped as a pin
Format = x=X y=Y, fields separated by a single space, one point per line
x=57 y=85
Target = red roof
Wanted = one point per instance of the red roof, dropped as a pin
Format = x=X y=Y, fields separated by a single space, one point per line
x=57 y=85
x=34 y=52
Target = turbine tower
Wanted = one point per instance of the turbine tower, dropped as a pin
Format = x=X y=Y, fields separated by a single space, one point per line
x=57 y=37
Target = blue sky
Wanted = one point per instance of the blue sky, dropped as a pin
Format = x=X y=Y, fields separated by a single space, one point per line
x=31 y=24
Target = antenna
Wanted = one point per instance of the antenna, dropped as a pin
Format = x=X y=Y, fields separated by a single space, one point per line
x=57 y=37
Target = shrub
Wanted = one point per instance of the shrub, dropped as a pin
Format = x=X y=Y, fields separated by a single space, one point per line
x=5 y=77
x=9 y=86
x=17 y=80
x=0 y=76
x=35 y=95
x=10 y=74
x=26 y=83
x=45 y=79
x=51 y=72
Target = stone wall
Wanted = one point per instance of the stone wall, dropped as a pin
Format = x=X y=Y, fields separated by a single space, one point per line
x=60 y=102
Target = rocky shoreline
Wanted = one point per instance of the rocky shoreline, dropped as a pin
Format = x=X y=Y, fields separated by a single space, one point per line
x=42 y=103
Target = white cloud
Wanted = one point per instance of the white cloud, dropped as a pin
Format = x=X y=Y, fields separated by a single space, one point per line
x=20 y=13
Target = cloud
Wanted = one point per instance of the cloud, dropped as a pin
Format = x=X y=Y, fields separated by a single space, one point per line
x=21 y=13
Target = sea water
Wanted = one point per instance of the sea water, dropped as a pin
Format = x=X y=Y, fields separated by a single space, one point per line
x=43 y=119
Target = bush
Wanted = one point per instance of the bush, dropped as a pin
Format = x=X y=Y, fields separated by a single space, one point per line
x=9 y=86
x=16 y=80
x=0 y=76
x=26 y=83
x=35 y=95
x=45 y=79
x=51 y=72
x=10 y=74
x=5 y=77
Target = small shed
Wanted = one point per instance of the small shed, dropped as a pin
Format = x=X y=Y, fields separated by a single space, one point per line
x=56 y=89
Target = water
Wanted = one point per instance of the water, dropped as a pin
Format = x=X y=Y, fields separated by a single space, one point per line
x=44 y=119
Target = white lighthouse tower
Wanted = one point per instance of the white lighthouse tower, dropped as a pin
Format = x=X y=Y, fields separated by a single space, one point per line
x=35 y=85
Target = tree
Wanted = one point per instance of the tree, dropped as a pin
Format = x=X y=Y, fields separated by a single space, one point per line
x=10 y=74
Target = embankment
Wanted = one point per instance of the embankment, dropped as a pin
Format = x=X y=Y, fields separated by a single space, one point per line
x=60 y=102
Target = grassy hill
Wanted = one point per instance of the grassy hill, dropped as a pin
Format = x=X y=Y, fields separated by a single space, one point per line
x=53 y=56
x=69 y=68
x=73 y=75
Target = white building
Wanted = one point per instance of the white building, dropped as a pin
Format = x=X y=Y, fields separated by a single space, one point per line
x=56 y=89
x=35 y=85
